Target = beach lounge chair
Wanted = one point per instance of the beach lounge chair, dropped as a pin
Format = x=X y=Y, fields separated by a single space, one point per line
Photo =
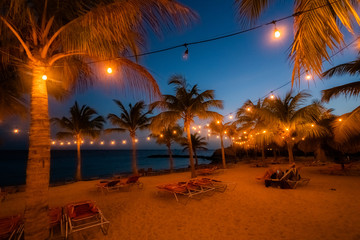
x=181 y=188
x=290 y=179
x=108 y=186
x=130 y=181
x=11 y=227
x=56 y=220
x=84 y=215
x=206 y=171
x=216 y=185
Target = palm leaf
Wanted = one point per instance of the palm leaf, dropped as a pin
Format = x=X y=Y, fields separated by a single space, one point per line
x=350 y=89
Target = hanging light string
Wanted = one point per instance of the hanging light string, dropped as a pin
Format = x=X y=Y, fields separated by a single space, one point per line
x=185 y=45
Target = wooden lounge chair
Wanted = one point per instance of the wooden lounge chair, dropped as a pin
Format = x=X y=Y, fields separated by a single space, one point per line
x=181 y=188
x=11 y=227
x=207 y=171
x=84 y=215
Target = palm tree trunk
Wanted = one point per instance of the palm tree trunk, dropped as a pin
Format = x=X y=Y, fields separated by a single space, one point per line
x=78 y=176
x=222 y=151
x=191 y=158
x=196 y=158
x=320 y=153
x=38 y=165
x=134 y=162
x=171 y=160
x=290 y=152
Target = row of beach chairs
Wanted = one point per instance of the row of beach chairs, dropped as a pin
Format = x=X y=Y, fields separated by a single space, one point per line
x=195 y=187
x=72 y=218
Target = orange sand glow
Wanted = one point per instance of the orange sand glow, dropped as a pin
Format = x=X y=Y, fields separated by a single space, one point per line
x=327 y=208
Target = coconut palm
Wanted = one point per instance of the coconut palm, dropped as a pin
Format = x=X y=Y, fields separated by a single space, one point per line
x=168 y=136
x=82 y=122
x=61 y=39
x=259 y=131
x=130 y=120
x=348 y=127
x=186 y=104
x=217 y=127
x=233 y=133
x=292 y=120
x=197 y=142
x=317 y=27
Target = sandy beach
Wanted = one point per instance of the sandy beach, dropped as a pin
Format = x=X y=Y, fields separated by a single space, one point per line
x=327 y=208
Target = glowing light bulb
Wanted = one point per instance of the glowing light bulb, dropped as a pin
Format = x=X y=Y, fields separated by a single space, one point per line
x=340 y=119
x=217 y=137
x=230 y=116
x=264 y=131
x=91 y=142
x=112 y=142
x=109 y=70
x=102 y=143
x=61 y=143
x=277 y=33
x=136 y=140
x=16 y=131
x=218 y=122
x=161 y=135
x=312 y=125
x=44 y=77
x=272 y=96
x=68 y=143
x=53 y=142
x=148 y=138
x=308 y=76
x=124 y=142
x=174 y=132
x=248 y=109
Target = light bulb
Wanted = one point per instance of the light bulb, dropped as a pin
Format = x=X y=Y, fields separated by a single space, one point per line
x=109 y=70
x=272 y=96
x=277 y=33
x=44 y=77
x=186 y=54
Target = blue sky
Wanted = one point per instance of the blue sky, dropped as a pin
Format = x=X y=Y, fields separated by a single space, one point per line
x=246 y=66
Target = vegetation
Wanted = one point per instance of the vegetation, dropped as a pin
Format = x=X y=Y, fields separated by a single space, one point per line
x=219 y=128
x=81 y=123
x=168 y=136
x=58 y=39
x=186 y=104
x=317 y=26
x=198 y=143
x=130 y=121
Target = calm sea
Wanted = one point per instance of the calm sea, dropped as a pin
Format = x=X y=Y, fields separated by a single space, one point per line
x=96 y=163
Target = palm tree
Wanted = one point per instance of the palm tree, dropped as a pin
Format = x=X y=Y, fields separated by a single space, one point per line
x=11 y=90
x=218 y=127
x=168 y=135
x=198 y=143
x=293 y=122
x=61 y=39
x=130 y=121
x=316 y=26
x=81 y=123
x=254 y=125
x=186 y=104
x=347 y=126
x=232 y=132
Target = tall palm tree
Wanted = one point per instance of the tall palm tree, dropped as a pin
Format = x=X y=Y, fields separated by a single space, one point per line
x=186 y=104
x=348 y=127
x=130 y=120
x=198 y=143
x=168 y=135
x=317 y=26
x=218 y=127
x=82 y=122
x=292 y=120
x=61 y=39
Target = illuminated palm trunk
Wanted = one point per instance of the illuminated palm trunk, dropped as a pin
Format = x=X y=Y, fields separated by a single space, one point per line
x=191 y=158
x=134 y=164
x=171 y=160
x=78 y=176
x=38 y=165
x=222 y=151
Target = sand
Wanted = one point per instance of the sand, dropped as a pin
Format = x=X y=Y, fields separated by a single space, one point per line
x=327 y=208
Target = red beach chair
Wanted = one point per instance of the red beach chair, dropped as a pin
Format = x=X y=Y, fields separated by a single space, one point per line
x=109 y=186
x=11 y=227
x=84 y=215
x=131 y=181
x=181 y=188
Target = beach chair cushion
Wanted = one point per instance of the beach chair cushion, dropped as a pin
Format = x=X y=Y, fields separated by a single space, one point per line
x=9 y=225
x=82 y=210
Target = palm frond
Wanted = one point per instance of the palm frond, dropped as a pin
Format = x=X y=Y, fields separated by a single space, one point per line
x=350 y=68
x=348 y=127
x=349 y=90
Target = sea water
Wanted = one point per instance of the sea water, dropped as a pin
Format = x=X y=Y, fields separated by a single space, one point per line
x=95 y=164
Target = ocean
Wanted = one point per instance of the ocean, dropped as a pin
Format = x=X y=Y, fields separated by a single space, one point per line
x=95 y=164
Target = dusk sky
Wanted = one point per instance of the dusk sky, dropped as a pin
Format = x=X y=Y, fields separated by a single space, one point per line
x=246 y=66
